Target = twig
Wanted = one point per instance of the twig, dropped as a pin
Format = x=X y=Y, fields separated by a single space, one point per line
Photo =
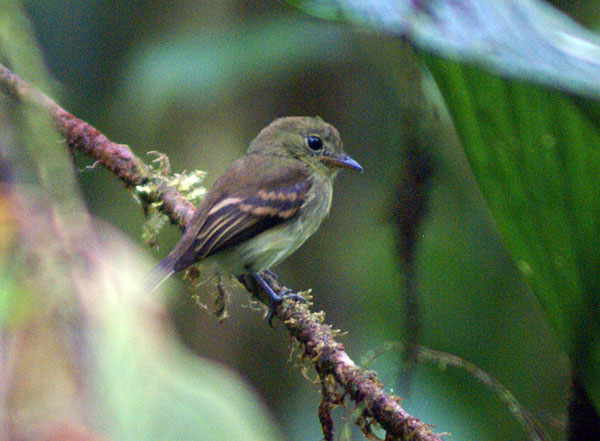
x=327 y=355
x=79 y=135
x=444 y=359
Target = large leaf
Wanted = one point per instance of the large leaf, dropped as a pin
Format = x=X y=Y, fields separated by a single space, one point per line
x=519 y=38
x=147 y=386
x=534 y=150
x=536 y=157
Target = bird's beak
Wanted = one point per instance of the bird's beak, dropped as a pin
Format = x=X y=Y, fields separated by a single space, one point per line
x=343 y=161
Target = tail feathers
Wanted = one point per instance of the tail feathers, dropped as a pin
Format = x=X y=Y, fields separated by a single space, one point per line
x=158 y=274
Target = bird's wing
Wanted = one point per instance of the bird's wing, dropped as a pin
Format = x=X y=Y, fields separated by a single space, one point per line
x=234 y=215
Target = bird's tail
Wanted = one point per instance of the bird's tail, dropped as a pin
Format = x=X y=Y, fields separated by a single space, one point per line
x=158 y=274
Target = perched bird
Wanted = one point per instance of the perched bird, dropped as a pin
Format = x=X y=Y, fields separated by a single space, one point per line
x=266 y=204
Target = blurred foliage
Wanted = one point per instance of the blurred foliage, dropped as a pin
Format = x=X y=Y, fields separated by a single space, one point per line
x=198 y=79
x=84 y=354
x=533 y=150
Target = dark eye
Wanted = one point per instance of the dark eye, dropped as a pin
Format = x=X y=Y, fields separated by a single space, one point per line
x=314 y=143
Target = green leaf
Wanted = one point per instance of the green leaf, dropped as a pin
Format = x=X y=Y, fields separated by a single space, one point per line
x=534 y=150
x=536 y=158
x=525 y=39
x=149 y=387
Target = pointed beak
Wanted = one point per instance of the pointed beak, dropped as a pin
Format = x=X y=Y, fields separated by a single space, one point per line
x=342 y=161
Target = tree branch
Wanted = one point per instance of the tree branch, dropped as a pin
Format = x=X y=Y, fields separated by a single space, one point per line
x=327 y=355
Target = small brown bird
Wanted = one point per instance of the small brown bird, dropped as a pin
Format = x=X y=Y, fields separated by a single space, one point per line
x=266 y=204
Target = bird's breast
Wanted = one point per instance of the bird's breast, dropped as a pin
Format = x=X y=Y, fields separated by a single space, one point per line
x=272 y=246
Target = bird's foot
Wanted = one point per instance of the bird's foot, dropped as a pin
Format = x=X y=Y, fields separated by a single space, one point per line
x=274 y=298
x=271 y=274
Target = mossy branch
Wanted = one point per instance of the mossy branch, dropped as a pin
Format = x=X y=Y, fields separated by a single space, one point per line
x=320 y=347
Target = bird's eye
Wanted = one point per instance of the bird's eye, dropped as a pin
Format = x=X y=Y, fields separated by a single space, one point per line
x=314 y=143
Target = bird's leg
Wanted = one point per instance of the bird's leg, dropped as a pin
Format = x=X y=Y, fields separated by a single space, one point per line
x=253 y=280
x=275 y=298
x=271 y=274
